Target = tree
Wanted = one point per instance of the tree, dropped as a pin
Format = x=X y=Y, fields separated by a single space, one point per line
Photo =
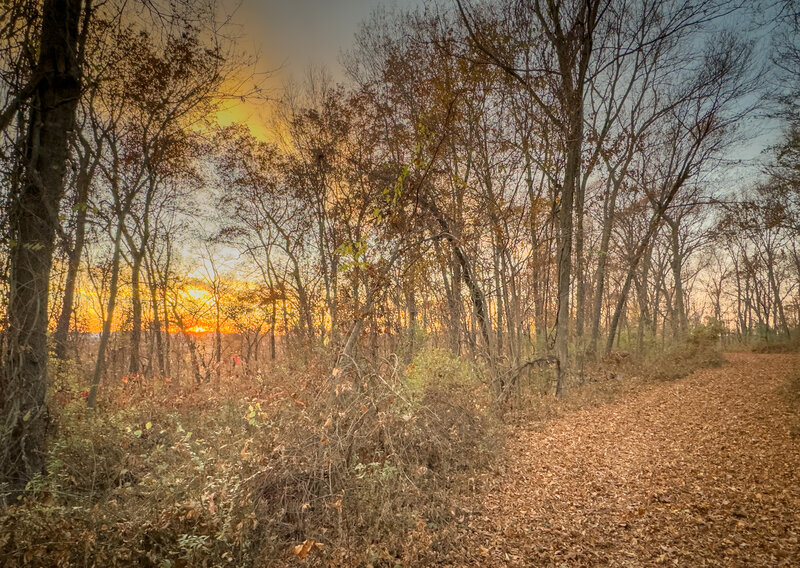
x=33 y=218
x=568 y=31
x=144 y=119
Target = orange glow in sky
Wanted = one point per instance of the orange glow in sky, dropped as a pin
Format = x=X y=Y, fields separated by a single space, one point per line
x=198 y=294
x=252 y=114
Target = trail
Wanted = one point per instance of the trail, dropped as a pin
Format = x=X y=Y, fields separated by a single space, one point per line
x=704 y=471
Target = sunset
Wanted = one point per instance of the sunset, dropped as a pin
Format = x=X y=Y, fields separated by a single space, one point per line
x=399 y=283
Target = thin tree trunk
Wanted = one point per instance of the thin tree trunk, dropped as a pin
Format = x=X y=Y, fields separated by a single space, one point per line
x=777 y=294
x=644 y=316
x=135 y=365
x=565 y=217
x=273 y=321
x=476 y=294
x=681 y=322
x=74 y=261
x=99 y=366
x=655 y=221
x=156 y=323
x=164 y=282
x=411 y=307
x=602 y=261
x=580 y=272
x=217 y=333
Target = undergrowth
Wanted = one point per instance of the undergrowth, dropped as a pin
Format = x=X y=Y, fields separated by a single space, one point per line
x=618 y=375
x=293 y=464
x=699 y=349
x=783 y=344
x=350 y=467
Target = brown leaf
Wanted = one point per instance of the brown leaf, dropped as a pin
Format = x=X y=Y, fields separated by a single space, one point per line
x=302 y=550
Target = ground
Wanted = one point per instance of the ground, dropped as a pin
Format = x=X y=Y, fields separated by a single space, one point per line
x=703 y=471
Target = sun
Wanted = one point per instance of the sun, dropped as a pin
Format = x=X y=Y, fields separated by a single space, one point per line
x=197 y=329
x=197 y=293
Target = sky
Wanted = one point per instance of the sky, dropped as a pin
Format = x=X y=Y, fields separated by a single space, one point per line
x=297 y=33
x=290 y=36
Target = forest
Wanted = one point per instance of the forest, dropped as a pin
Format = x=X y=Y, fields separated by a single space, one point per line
x=516 y=284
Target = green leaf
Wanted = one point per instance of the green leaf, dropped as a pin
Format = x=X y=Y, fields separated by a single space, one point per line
x=27 y=416
x=137 y=433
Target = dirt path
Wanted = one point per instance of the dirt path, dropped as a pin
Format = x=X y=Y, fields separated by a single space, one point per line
x=699 y=472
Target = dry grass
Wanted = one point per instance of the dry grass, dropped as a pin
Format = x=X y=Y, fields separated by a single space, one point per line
x=288 y=464
x=351 y=467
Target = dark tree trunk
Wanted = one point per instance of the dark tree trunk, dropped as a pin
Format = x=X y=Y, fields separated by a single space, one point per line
x=155 y=325
x=273 y=321
x=580 y=270
x=135 y=365
x=99 y=367
x=73 y=260
x=565 y=216
x=573 y=53
x=609 y=209
x=33 y=219
x=217 y=335
x=681 y=322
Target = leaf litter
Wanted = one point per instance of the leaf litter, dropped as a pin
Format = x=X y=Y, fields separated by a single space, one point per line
x=703 y=471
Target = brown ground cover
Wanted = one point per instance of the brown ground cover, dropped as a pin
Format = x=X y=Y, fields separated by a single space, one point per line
x=703 y=471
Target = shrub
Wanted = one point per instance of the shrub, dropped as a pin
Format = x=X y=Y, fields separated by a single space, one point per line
x=780 y=344
x=344 y=465
x=700 y=349
x=433 y=369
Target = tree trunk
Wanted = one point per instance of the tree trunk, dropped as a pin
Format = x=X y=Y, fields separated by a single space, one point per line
x=476 y=294
x=580 y=272
x=411 y=308
x=642 y=292
x=33 y=218
x=609 y=209
x=498 y=288
x=777 y=293
x=565 y=215
x=681 y=323
x=273 y=321
x=573 y=63
x=135 y=365
x=164 y=302
x=99 y=367
x=660 y=207
x=156 y=324
x=73 y=261
x=217 y=333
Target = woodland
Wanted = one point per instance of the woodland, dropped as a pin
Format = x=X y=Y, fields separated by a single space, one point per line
x=517 y=285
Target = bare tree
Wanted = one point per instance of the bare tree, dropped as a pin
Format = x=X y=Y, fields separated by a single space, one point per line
x=55 y=88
